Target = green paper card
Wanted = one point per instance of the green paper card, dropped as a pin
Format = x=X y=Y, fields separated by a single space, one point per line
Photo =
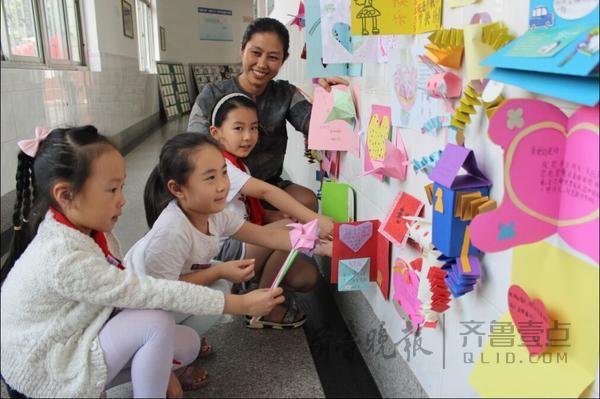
x=338 y=201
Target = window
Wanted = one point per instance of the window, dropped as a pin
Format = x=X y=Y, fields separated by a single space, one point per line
x=145 y=35
x=42 y=32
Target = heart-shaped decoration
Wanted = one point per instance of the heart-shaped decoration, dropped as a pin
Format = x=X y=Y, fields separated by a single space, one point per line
x=546 y=180
x=530 y=318
x=356 y=235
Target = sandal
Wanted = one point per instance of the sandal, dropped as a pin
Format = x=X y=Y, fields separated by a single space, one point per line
x=205 y=349
x=192 y=378
x=287 y=322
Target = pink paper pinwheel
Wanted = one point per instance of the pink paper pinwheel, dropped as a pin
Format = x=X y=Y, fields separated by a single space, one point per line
x=304 y=238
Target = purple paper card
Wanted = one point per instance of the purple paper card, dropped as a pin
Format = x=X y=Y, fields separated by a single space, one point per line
x=446 y=171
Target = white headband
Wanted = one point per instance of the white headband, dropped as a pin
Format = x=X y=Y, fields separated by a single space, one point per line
x=222 y=101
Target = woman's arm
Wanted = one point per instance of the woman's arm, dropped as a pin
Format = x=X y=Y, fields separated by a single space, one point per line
x=286 y=203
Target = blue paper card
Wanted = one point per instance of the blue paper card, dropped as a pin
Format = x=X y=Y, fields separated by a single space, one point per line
x=580 y=90
x=314 y=48
x=353 y=274
x=562 y=39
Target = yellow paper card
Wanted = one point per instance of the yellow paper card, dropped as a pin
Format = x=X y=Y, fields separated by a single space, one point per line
x=387 y=17
x=475 y=51
x=568 y=287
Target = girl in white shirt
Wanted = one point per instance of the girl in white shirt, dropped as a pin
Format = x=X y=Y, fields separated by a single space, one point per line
x=73 y=319
x=234 y=123
x=185 y=198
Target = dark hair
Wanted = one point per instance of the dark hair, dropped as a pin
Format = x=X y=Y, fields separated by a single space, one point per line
x=241 y=101
x=66 y=155
x=173 y=164
x=260 y=25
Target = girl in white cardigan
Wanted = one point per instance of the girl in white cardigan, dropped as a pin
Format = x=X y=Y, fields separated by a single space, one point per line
x=72 y=315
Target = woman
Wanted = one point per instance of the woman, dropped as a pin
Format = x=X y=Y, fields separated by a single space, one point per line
x=265 y=48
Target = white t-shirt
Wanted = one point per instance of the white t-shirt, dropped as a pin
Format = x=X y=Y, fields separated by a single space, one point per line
x=236 y=201
x=174 y=246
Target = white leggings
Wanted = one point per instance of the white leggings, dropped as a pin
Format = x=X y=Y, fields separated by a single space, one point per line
x=144 y=346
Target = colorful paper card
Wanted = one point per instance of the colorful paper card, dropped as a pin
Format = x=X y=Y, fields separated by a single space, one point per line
x=406 y=288
x=569 y=289
x=449 y=231
x=338 y=201
x=395 y=226
x=550 y=178
x=333 y=121
x=354 y=274
x=411 y=105
x=339 y=45
x=362 y=240
x=384 y=17
x=315 y=67
x=530 y=317
x=330 y=163
x=475 y=49
x=378 y=131
x=394 y=163
x=582 y=90
x=561 y=38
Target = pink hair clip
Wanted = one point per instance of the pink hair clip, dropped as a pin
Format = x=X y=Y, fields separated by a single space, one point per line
x=30 y=146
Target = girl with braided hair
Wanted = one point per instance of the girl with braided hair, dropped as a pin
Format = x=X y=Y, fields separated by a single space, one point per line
x=73 y=320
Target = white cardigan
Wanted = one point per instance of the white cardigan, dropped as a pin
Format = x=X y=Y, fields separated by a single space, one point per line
x=56 y=299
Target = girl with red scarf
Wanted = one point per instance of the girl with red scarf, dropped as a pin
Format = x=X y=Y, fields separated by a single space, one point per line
x=234 y=124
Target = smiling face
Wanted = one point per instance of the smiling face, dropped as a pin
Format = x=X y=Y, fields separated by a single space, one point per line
x=262 y=57
x=205 y=191
x=98 y=205
x=238 y=133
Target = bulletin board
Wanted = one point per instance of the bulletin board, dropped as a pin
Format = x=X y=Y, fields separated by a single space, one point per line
x=173 y=88
x=208 y=73
x=450 y=363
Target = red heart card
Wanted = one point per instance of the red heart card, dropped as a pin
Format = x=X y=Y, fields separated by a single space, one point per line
x=362 y=240
x=531 y=319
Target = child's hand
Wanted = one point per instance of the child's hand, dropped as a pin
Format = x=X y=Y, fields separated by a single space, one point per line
x=324 y=248
x=262 y=301
x=237 y=271
x=325 y=227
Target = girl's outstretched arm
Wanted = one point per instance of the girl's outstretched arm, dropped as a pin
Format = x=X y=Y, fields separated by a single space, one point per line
x=286 y=203
x=264 y=236
x=275 y=238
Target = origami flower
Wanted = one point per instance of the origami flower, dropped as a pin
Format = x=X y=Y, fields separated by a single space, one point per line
x=304 y=237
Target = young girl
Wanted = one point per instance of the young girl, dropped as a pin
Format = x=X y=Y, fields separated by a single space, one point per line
x=234 y=123
x=72 y=316
x=185 y=198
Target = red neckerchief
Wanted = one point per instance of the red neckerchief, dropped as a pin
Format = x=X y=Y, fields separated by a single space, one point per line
x=97 y=236
x=256 y=213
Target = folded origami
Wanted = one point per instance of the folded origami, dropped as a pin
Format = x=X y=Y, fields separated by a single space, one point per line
x=448 y=229
x=395 y=226
x=357 y=240
x=332 y=121
x=353 y=274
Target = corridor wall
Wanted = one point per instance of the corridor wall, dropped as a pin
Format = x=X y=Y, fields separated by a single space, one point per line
x=443 y=372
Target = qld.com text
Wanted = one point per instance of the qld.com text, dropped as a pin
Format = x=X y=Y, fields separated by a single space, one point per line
x=512 y=358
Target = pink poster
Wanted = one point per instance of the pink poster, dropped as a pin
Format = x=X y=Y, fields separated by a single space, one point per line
x=550 y=178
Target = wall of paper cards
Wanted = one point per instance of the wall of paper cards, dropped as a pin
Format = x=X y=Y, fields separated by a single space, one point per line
x=444 y=372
